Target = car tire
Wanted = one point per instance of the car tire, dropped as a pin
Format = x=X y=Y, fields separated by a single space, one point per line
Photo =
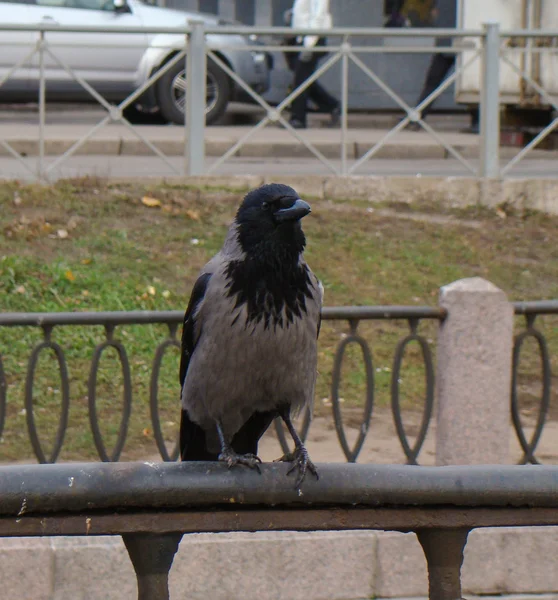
x=171 y=93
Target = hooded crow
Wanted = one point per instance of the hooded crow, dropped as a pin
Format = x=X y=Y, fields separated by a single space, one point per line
x=249 y=341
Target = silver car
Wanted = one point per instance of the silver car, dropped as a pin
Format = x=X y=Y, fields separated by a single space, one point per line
x=117 y=64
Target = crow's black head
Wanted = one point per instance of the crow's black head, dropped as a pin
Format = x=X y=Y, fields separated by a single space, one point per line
x=269 y=217
x=270 y=280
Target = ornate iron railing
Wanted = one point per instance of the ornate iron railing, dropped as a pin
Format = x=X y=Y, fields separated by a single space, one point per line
x=173 y=319
x=354 y=316
x=531 y=310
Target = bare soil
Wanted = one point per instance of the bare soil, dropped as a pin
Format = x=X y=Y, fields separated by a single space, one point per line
x=382 y=446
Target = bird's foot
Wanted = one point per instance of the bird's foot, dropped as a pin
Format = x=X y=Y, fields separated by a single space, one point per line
x=301 y=461
x=231 y=458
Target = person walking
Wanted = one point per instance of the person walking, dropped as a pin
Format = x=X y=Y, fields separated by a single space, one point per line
x=443 y=16
x=311 y=14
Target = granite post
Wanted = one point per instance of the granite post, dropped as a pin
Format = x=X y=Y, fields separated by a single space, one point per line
x=474 y=374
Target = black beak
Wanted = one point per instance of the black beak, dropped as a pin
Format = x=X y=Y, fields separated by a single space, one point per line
x=295 y=212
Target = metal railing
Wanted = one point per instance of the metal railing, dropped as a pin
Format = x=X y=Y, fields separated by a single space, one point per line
x=48 y=323
x=152 y=505
x=346 y=53
x=532 y=310
x=490 y=46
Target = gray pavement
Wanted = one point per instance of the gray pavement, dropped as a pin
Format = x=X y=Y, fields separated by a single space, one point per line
x=117 y=151
x=272 y=141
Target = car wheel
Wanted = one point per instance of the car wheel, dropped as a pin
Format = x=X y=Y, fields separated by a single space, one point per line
x=171 y=93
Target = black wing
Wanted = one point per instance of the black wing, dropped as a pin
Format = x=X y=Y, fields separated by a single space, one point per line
x=320 y=315
x=192 y=437
x=188 y=341
x=245 y=441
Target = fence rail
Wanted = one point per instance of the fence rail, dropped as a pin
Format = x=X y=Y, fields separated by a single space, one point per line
x=49 y=323
x=494 y=49
x=153 y=505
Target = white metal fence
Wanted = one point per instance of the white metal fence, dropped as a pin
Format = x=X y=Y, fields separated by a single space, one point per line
x=488 y=49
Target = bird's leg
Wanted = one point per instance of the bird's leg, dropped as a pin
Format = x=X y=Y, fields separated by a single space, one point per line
x=230 y=457
x=299 y=457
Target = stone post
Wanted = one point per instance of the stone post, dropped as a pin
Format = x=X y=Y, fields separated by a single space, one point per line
x=474 y=358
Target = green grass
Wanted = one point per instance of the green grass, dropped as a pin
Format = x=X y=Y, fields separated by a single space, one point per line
x=88 y=246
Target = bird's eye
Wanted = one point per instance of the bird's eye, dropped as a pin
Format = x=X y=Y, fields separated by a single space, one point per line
x=265 y=205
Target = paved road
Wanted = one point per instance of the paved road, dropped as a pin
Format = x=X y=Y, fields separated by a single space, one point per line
x=146 y=166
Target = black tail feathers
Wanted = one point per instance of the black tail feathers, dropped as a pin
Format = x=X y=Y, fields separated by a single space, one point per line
x=193 y=443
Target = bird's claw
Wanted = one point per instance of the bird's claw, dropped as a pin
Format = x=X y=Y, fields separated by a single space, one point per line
x=231 y=459
x=301 y=461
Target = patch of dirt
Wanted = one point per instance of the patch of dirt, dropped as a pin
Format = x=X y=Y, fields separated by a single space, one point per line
x=382 y=446
x=423 y=217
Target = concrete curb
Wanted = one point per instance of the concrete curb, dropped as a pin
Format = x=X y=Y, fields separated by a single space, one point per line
x=518 y=194
x=280 y=566
x=115 y=146
x=125 y=146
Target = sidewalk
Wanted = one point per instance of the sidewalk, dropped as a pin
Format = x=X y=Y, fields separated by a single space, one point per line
x=272 y=141
x=66 y=124
x=269 y=142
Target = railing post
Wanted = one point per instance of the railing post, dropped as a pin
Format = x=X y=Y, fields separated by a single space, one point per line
x=42 y=107
x=345 y=49
x=194 y=113
x=152 y=557
x=474 y=365
x=489 y=165
x=443 y=549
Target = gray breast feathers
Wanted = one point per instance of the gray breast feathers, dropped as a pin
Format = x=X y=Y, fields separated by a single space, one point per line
x=241 y=365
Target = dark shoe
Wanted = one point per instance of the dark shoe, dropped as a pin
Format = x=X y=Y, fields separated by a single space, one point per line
x=297 y=124
x=413 y=127
x=335 y=117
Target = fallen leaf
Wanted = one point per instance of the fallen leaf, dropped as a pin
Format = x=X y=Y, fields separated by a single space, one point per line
x=501 y=213
x=193 y=214
x=73 y=222
x=69 y=276
x=20 y=289
x=151 y=290
x=86 y=261
x=146 y=432
x=150 y=202
x=166 y=294
x=62 y=234
x=85 y=293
